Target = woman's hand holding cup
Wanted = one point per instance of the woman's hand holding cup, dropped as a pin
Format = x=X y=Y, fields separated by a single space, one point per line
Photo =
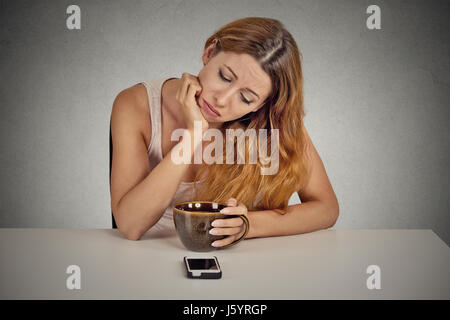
x=233 y=227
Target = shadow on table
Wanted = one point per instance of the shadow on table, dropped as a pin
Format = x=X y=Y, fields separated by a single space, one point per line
x=170 y=236
x=151 y=234
x=158 y=234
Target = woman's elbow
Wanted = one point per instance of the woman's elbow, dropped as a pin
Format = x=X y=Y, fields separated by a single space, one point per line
x=133 y=236
x=129 y=233
x=334 y=214
x=125 y=228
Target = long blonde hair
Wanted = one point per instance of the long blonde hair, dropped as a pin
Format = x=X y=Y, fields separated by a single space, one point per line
x=275 y=49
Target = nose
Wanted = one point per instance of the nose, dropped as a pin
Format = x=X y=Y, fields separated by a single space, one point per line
x=222 y=97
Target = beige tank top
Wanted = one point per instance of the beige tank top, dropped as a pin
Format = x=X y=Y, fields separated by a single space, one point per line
x=186 y=190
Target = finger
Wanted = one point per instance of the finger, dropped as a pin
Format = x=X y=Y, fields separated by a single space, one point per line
x=240 y=234
x=243 y=207
x=226 y=223
x=191 y=78
x=192 y=91
x=225 y=231
x=223 y=242
x=234 y=210
x=190 y=87
x=181 y=95
x=232 y=202
x=187 y=75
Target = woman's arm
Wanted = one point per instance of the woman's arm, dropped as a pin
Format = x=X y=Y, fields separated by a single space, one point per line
x=319 y=208
x=139 y=195
x=300 y=218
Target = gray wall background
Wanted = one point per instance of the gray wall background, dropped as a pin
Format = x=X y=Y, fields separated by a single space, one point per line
x=376 y=100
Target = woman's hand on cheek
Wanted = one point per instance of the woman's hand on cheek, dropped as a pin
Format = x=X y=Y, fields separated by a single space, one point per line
x=233 y=227
x=187 y=96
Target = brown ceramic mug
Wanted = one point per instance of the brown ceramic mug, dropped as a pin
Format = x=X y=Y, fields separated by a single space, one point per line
x=193 y=221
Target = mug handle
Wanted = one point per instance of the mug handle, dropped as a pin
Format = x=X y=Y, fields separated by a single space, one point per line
x=247 y=227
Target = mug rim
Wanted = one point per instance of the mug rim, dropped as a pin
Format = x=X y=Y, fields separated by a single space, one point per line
x=196 y=212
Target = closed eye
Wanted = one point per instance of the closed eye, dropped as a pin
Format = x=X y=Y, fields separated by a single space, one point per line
x=227 y=80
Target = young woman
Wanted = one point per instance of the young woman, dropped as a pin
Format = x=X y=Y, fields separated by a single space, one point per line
x=251 y=79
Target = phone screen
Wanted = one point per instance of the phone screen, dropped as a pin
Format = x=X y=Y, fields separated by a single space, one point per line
x=202 y=264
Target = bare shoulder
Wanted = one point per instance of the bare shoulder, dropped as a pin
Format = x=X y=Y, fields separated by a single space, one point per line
x=131 y=106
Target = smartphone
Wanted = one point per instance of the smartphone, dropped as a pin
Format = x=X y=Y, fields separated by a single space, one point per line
x=202 y=267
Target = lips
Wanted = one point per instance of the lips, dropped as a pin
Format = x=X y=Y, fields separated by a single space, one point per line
x=212 y=108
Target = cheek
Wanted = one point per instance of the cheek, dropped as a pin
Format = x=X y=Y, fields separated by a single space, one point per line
x=203 y=77
x=209 y=80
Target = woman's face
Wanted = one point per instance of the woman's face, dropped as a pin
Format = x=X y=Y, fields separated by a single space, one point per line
x=233 y=84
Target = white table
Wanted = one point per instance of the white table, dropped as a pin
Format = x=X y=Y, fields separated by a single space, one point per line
x=327 y=264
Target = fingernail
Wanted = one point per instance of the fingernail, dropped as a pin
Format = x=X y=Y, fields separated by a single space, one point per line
x=225 y=210
x=214 y=244
x=215 y=223
x=213 y=231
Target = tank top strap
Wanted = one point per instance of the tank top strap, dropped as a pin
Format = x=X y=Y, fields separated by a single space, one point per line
x=154 y=103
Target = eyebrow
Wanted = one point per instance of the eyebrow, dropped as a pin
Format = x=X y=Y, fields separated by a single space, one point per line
x=234 y=74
